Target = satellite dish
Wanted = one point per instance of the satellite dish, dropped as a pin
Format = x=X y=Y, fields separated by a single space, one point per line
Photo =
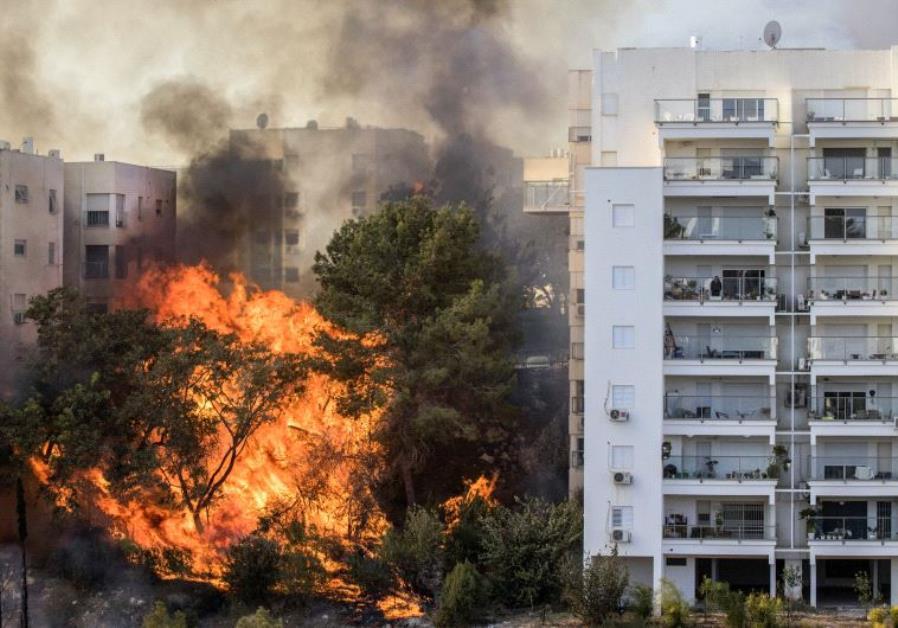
x=773 y=32
x=262 y=120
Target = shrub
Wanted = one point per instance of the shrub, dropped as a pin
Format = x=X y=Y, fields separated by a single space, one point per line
x=525 y=549
x=877 y=617
x=463 y=597
x=642 y=601
x=416 y=551
x=159 y=618
x=301 y=573
x=596 y=592
x=260 y=619
x=866 y=596
x=893 y=613
x=252 y=568
x=733 y=606
x=763 y=611
x=465 y=534
x=675 y=611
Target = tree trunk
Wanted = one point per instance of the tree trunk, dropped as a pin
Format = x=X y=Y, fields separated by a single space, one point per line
x=408 y=483
x=198 y=522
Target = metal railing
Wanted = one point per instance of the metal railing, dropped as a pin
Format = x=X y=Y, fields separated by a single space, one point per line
x=679 y=227
x=96 y=270
x=852 y=109
x=851 y=468
x=853 y=227
x=740 y=168
x=540 y=194
x=852 y=168
x=855 y=408
x=718 y=407
x=735 y=468
x=853 y=348
x=846 y=529
x=720 y=347
x=734 y=110
x=852 y=288
x=96 y=218
x=718 y=288
x=728 y=531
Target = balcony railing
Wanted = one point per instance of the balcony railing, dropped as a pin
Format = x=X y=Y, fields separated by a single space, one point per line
x=714 y=289
x=853 y=227
x=852 y=109
x=852 y=288
x=720 y=168
x=728 y=531
x=734 y=468
x=860 y=407
x=853 y=348
x=94 y=218
x=96 y=270
x=716 y=347
x=851 y=529
x=852 y=168
x=702 y=228
x=851 y=468
x=717 y=407
x=733 y=110
x=540 y=194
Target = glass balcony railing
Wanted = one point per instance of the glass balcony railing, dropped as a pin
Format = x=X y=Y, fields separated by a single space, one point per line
x=846 y=529
x=717 y=407
x=852 y=109
x=542 y=194
x=742 y=168
x=735 y=468
x=734 y=110
x=720 y=347
x=852 y=288
x=699 y=228
x=715 y=289
x=859 y=227
x=728 y=530
x=861 y=468
x=853 y=348
x=852 y=168
x=854 y=407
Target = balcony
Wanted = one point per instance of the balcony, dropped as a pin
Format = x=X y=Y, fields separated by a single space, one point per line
x=843 y=530
x=729 y=531
x=853 y=348
x=852 y=176
x=716 y=118
x=863 y=469
x=546 y=197
x=854 y=408
x=716 y=296
x=852 y=118
x=719 y=354
x=721 y=475
x=747 y=175
x=719 y=415
x=720 y=235
x=851 y=231
x=852 y=296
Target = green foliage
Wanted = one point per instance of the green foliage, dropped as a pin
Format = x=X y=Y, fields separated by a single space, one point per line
x=414 y=277
x=733 y=606
x=463 y=598
x=763 y=611
x=526 y=547
x=416 y=551
x=714 y=593
x=252 y=568
x=260 y=619
x=866 y=596
x=642 y=601
x=465 y=537
x=893 y=613
x=372 y=574
x=877 y=617
x=159 y=618
x=675 y=612
x=596 y=591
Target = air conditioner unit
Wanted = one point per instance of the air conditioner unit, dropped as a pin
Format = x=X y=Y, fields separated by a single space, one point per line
x=619 y=415
x=619 y=535
x=622 y=477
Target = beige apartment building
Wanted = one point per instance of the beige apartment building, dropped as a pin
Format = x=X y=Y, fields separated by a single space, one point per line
x=31 y=240
x=119 y=218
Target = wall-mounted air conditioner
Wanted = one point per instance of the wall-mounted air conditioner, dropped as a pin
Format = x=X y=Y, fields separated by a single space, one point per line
x=619 y=535
x=622 y=477
x=619 y=415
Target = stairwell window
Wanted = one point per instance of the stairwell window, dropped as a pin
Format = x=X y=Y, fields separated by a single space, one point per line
x=623 y=277
x=20 y=248
x=623 y=396
x=622 y=517
x=623 y=337
x=622 y=457
x=52 y=202
x=51 y=253
x=21 y=194
x=623 y=216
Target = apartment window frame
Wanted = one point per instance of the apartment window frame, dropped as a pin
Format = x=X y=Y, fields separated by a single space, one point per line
x=19 y=307
x=623 y=278
x=291 y=237
x=577 y=350
x=622 y=457
x=52 y=202
x=22 y=194
x=51 y=253
x=622 y=517
x=623 y=396
x=623 y=337
x=120 y=217
x=623 y=216
x=20 y=248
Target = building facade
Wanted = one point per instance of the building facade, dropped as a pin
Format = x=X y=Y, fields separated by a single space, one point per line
x=31 y=248
x=119 y=219
x=738 y=271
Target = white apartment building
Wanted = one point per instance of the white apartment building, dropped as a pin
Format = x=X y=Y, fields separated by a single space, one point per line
x=31 y=188
x=739 y=319
x=119 y=218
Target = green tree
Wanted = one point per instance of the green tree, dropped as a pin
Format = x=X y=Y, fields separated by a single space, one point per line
x=260 y=619
x=596 y=590
x=439 y=319
x=159 y=617
x=416 y=550
x=463 y=598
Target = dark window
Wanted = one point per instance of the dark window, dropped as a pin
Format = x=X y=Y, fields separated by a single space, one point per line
x=291 y=274
x=97 y=218
x=675 y=561
x=51 y=253
x=844 y=163
x=581 y=295
x=21 y=194
x=703 y=107
x=121 y=262
x=291 y=200
x=119 y=210
x=53 y=202
x=20 y=248
x=96 y=261
x=291 y=237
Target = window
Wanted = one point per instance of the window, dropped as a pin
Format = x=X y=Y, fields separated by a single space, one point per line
x=577 y=350
x=291 y=200
x=19 y=305
x=51 y=253
x=139 y=208
x=359 y=199
x=21 y=194
x=675 y=561
x=52 y=202
x=623 y=397
x=97 y=210
x=158 y=206
x=622 y=457
x=119 y=210
x=96 y=261
x=121 y=262
x=580 y=245
x=623 y=216
x=622 y=517
x=623 y=337
x=609 y=104
x=20 y=248
x=291 y=237
x=580 y=295
x=623 y=277
x=577 y=397
x=608 y=158
x=291 y=274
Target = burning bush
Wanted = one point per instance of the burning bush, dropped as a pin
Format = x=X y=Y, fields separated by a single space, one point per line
x=416 y=551
x=252 y=568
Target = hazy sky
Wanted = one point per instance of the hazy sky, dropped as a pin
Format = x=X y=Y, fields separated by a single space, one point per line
x=75 y=74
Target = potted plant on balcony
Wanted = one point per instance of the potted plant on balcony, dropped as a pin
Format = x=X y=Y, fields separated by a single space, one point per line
x=673 y=230
x=809 y=514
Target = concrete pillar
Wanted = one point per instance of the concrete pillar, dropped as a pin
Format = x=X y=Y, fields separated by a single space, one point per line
x=814 y=581
x=893 y=592
x=657 y=575
x=772 y=577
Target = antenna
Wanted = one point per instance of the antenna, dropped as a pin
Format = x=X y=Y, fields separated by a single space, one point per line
x=773 y=32
x=262 y=120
